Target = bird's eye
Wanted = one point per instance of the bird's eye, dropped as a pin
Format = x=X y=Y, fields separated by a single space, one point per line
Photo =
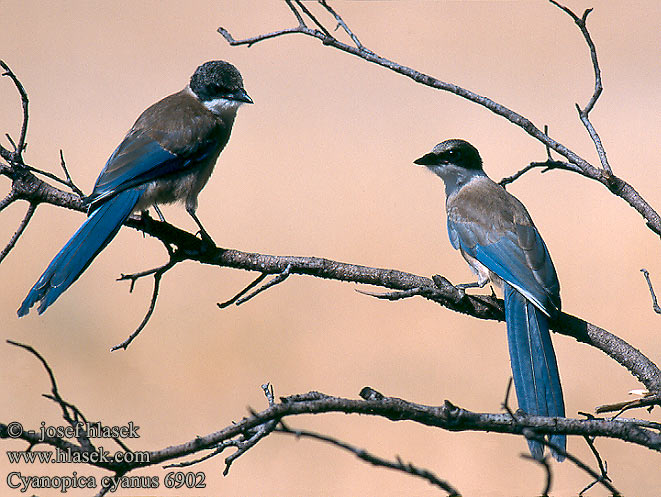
x=454 y=154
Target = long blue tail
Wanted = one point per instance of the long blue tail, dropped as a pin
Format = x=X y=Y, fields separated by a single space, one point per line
x=534 y=366
x=91 y=238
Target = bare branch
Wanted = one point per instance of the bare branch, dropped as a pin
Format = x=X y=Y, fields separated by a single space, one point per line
x=19 y=231
x=252 y=285
x=548 y=165
x=8 y=200
x=71 y=414
x=598 y=88
x=531 y=434
x=158 y=274
x=440 y=290
x=544 y=462
x=366 y=456
x=314 y=19
x=603 y=476
x=246 y=433
x=343 y=25
x=238 y=299
x=69 y=181
x=404 y=294
x=649 y=399
x=301 y=22
x=655 y=304
x=17 y=155
x=447 y=416
x=251 y=41
x=577 y=164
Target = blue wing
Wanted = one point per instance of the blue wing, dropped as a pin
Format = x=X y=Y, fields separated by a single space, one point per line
x=138 y=160
x=169 y=138
x=519 y=256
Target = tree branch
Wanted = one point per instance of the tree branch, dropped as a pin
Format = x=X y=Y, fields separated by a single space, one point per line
x=189 y=247
x=246 y=433
x=598 y=88
x=366 y=456
x=576 y=163
x=16 y=156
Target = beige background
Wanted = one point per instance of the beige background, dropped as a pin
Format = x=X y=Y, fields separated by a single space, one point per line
x=322 y=165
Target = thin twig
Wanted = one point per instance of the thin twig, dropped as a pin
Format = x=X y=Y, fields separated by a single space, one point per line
x=10 y=139
x=158 y=274
x=603 y=466
x=255 y=435
x=548 y=149
x=17 y=155
x=366 y=456
x=19 y=231
x=8 y=200
x=278 y=278
x=243 y=443
x=298 y=16
x=544 y=462
x=583 y=113
x=547 y=165
x=655 y=304
x=314 y=19
x=404 y=294
x=343 y=25
x=252 y=285
x=56 y=178
x=532 y=435
x=69 y=181
x=575 y=163
x=70 y=413
x=649 y=400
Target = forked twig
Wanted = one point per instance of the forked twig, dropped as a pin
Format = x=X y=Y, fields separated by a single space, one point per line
x=16 y=156
x=240 y=299
x=603 y=466
x=547 y=165
x=252 y=285
x=605 y=481
x=574 y=163
x=158 y=274
x=583 y=113
x=245 y=441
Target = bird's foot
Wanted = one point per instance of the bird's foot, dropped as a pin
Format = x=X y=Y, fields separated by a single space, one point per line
x=207 y=241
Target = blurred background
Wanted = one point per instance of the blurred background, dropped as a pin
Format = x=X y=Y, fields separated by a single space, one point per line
x=322 y=165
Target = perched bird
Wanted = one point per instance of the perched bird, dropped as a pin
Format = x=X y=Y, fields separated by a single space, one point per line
x=168 y=155
x=495 y=234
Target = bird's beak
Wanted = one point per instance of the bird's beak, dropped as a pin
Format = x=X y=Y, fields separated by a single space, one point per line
x=241 y=95
x=426 y=160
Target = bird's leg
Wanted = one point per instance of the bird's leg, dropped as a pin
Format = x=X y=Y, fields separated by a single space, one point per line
x=203 y=233
x=160 y=214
